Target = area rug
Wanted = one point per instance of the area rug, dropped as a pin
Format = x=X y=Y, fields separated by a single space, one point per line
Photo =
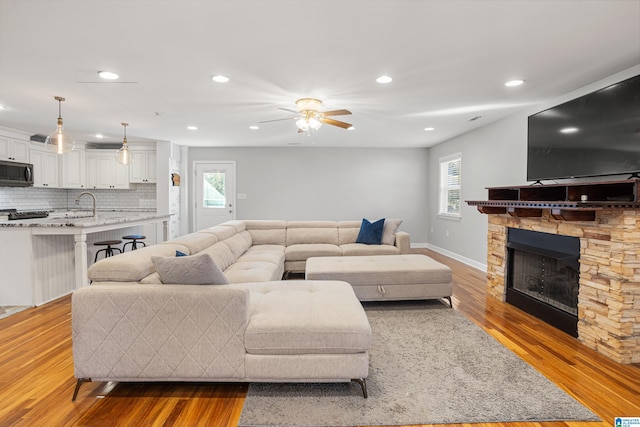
x=428 y=365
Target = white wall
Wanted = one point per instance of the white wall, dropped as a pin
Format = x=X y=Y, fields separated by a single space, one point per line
x=492 y=156
x=312 y=183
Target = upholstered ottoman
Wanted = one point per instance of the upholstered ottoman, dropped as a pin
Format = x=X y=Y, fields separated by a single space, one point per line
x=386 y=277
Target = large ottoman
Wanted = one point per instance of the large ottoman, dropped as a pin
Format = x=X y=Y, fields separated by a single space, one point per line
x=386 y=277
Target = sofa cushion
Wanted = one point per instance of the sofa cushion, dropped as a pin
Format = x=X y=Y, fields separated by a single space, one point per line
x=221 y=254
x=370 y=232
x=199 y=269
x=348 y=231
x=302 y=232
x=302 y=252
x=389 y=231
x=131 y=266
x=239 y=243
x=264 y=253
x=255 y=271
x=221 y=232
x=358 y=249
x=196 y=242
x=268 y=232
x=321 y=317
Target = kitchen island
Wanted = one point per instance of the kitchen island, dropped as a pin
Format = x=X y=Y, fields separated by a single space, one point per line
x=45 y=258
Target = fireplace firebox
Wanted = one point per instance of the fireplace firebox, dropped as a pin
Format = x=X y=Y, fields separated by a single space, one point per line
x=543 y=274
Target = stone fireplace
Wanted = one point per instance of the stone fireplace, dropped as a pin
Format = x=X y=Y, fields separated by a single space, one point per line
x=609 y=284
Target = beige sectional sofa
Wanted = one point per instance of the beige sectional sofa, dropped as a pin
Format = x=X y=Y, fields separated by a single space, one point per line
x=129 y=326
x=253 y=251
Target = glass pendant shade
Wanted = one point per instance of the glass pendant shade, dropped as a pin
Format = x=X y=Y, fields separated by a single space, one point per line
x=59 y=141
x=123 y=156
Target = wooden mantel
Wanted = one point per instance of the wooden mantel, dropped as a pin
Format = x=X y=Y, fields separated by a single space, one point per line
x=568 y=202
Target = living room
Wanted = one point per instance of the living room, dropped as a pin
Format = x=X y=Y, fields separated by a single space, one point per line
x=330 y=174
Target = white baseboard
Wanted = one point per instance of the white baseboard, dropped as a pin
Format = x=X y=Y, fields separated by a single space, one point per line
x=462 y=259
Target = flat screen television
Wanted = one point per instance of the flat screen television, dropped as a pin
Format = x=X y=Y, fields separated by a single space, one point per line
x=596 y=134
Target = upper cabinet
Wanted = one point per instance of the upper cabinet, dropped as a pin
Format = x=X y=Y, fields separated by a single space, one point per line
x=72 y=169
x=14 y=149
x=45 y=167
x=143 y=166
x=103 y=171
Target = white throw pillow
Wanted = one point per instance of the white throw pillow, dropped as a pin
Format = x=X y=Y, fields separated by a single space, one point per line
x=389 y=231
x=199 y=269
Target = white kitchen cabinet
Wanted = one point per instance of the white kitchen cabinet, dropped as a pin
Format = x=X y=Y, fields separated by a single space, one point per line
x=143 y=166
x=72 y=169
x=45 y=168
x=14 y=149
x=103 y=171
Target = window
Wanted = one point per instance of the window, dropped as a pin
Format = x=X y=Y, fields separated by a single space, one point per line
x=213 y=190
x=450 y=180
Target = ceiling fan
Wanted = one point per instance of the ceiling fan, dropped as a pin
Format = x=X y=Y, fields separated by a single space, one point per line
x=310 y=116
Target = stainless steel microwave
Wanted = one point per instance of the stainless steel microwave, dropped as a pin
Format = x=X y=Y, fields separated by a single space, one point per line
x=15 y=174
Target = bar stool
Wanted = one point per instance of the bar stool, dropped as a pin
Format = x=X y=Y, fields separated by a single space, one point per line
x=108 y=251
x=135 y=240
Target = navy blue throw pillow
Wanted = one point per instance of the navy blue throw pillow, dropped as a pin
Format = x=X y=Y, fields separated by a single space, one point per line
x=370 y=232
x=178 y=253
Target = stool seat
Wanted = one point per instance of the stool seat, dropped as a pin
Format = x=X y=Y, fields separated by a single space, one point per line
x=135 y=240
x=108 y=251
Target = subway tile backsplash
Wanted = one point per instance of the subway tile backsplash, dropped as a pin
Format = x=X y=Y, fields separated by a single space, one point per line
x=138 y=197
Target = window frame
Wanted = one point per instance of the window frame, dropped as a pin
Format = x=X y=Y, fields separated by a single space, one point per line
x=444 y=186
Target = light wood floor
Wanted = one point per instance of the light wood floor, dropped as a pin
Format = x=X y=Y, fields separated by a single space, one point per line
x=36 y=379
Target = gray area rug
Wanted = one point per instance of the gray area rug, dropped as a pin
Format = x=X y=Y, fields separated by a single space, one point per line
x=428 y=365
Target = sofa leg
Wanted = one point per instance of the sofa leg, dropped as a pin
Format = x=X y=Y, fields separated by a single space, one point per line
x=78 y=384
x=450 y=303
x=363 y=384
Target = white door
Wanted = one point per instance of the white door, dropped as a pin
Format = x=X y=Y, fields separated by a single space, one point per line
x=214 y=193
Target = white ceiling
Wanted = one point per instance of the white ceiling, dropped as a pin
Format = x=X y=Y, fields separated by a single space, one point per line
x=449 y=60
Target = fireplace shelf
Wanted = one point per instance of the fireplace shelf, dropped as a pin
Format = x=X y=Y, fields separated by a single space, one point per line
x=568 y=202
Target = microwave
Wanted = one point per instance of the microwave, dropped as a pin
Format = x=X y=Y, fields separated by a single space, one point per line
x=15 y=174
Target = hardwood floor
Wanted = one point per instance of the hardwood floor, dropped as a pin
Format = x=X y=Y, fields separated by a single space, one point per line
x=36 y=380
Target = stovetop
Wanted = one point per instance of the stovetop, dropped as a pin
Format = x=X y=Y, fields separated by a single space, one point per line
x=14 y=214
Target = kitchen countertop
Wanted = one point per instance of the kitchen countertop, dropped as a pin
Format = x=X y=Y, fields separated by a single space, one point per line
x=80 y=219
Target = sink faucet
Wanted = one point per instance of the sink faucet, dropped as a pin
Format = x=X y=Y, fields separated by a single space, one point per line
x=92 y=196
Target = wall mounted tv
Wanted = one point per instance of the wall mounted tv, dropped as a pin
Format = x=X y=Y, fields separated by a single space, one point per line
x=597 y=134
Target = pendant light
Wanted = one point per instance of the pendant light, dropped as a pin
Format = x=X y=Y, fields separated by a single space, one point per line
x=123 y=156
x=59 y=141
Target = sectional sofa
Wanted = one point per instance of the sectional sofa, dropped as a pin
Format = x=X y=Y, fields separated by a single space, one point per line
x=131 y=325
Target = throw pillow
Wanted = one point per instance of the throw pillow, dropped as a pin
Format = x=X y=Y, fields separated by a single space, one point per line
x=179 y=253
x=389 y=231
x=199 y=269
x=370 y=232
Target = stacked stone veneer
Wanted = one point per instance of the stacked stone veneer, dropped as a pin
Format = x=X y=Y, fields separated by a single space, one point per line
x=609 y=297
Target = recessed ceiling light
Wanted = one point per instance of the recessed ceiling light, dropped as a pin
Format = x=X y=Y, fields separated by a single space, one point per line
x=569 y=130
x=254 y=127
x=384 y=79
x=99 y=135
x=428 y=129
x=351 y=128
x=220 y=78
x=192 y=127
x=512 y=83
x=108 y=75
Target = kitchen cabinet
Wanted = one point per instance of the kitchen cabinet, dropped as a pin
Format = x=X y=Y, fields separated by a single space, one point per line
x=103 y=171
x=143 y=166
x=14 y=149
x=45 y=168
x=72 y=169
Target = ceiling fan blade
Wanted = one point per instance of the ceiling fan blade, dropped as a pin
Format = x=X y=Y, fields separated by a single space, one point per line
x=277 y=120
x=289 y=109
x=336 y=113
x=343 y=125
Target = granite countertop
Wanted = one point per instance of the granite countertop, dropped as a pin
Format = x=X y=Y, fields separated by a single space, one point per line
x=80 y=219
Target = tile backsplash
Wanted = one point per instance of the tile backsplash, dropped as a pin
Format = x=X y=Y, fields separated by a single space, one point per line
x=138 y=197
